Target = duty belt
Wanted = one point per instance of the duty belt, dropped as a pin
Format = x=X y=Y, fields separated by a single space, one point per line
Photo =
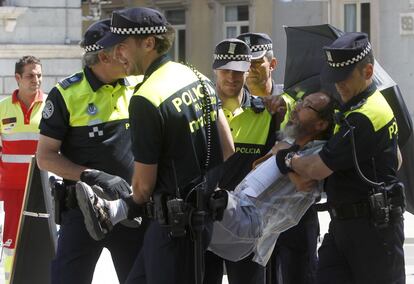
x=350 y=211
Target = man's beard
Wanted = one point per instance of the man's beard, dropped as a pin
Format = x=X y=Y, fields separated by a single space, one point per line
x=290 y=132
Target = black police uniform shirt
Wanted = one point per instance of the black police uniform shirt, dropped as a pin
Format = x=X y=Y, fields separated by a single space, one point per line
x=376 y=147
x=167 y=125
x=91 y=120
x=254 y=132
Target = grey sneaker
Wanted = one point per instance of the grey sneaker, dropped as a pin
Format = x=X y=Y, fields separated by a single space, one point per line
x=134 y=223
x=95 y=211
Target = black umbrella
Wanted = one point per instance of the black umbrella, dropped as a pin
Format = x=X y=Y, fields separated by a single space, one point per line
x=304 y=61
x=305 y=57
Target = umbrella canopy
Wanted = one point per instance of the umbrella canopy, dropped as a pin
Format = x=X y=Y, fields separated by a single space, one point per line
x=305 y=56
x=304 y=61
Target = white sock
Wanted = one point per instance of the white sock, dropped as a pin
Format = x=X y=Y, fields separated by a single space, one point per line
x=118 y=211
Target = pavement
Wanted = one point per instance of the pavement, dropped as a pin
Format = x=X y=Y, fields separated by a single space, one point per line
x=105 y=274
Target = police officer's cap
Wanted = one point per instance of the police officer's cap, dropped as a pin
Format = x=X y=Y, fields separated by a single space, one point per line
x=259 y=43
x=134 y=21
x=94 y=33
x=343 y=55
x=232 y=54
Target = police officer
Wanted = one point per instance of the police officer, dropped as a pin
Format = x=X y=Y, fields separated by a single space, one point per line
x=361 y=246
x=253 y=129
x=294 y=258
x=175 y=123
x=84 y=135
x=259 y=79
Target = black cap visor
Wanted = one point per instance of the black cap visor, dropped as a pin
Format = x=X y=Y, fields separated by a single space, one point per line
x=241 y=66
x=111 y=39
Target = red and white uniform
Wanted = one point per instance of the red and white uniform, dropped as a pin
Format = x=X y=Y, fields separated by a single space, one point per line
x=19 y=131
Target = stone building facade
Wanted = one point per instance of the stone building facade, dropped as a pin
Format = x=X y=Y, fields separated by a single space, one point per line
x=48 y=29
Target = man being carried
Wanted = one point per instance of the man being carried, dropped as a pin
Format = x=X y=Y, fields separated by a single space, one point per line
x=266 y=203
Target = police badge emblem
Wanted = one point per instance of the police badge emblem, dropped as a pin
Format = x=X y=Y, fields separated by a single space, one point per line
x=92 y=109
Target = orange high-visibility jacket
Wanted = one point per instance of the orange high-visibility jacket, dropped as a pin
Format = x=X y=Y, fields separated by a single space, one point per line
x=19 y=131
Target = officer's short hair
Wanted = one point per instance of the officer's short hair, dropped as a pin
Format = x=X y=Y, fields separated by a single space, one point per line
x=91 y=58
x=369 y=59
x=163 y=42
x=25 y=60
x=269 y=55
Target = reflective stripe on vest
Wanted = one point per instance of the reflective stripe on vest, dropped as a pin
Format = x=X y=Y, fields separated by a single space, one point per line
x=19 y=159
x=376 y=109
x=19 y=136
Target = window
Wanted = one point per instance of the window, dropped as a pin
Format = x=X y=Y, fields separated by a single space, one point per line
x=236 y=20
x=350 y=18
x=357 y=17
x=177 y=19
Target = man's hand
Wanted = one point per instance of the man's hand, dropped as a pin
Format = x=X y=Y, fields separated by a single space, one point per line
x=280 y=145
x=275 y=104
x=113 y=186
x=301 y=183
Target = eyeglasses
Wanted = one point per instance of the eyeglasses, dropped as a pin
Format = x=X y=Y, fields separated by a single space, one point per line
x=306 y=104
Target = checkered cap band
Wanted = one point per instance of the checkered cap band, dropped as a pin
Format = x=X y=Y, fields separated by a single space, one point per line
x=93 y=47
x=139 y=31
x=353 y=60
x=261 y=47
x=233 y=57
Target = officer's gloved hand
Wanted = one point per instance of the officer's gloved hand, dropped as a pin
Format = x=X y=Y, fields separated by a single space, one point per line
x=217 y=204
x=114 y=187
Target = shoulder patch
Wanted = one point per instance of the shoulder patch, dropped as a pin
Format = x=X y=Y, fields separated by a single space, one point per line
x=65 y=83
x=48 y=110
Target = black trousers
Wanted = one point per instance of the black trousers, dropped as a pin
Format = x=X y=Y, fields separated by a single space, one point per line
x=166 y=260
x=244 y=271
x=354 y=251
x=77 y=252
x=294 y=259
